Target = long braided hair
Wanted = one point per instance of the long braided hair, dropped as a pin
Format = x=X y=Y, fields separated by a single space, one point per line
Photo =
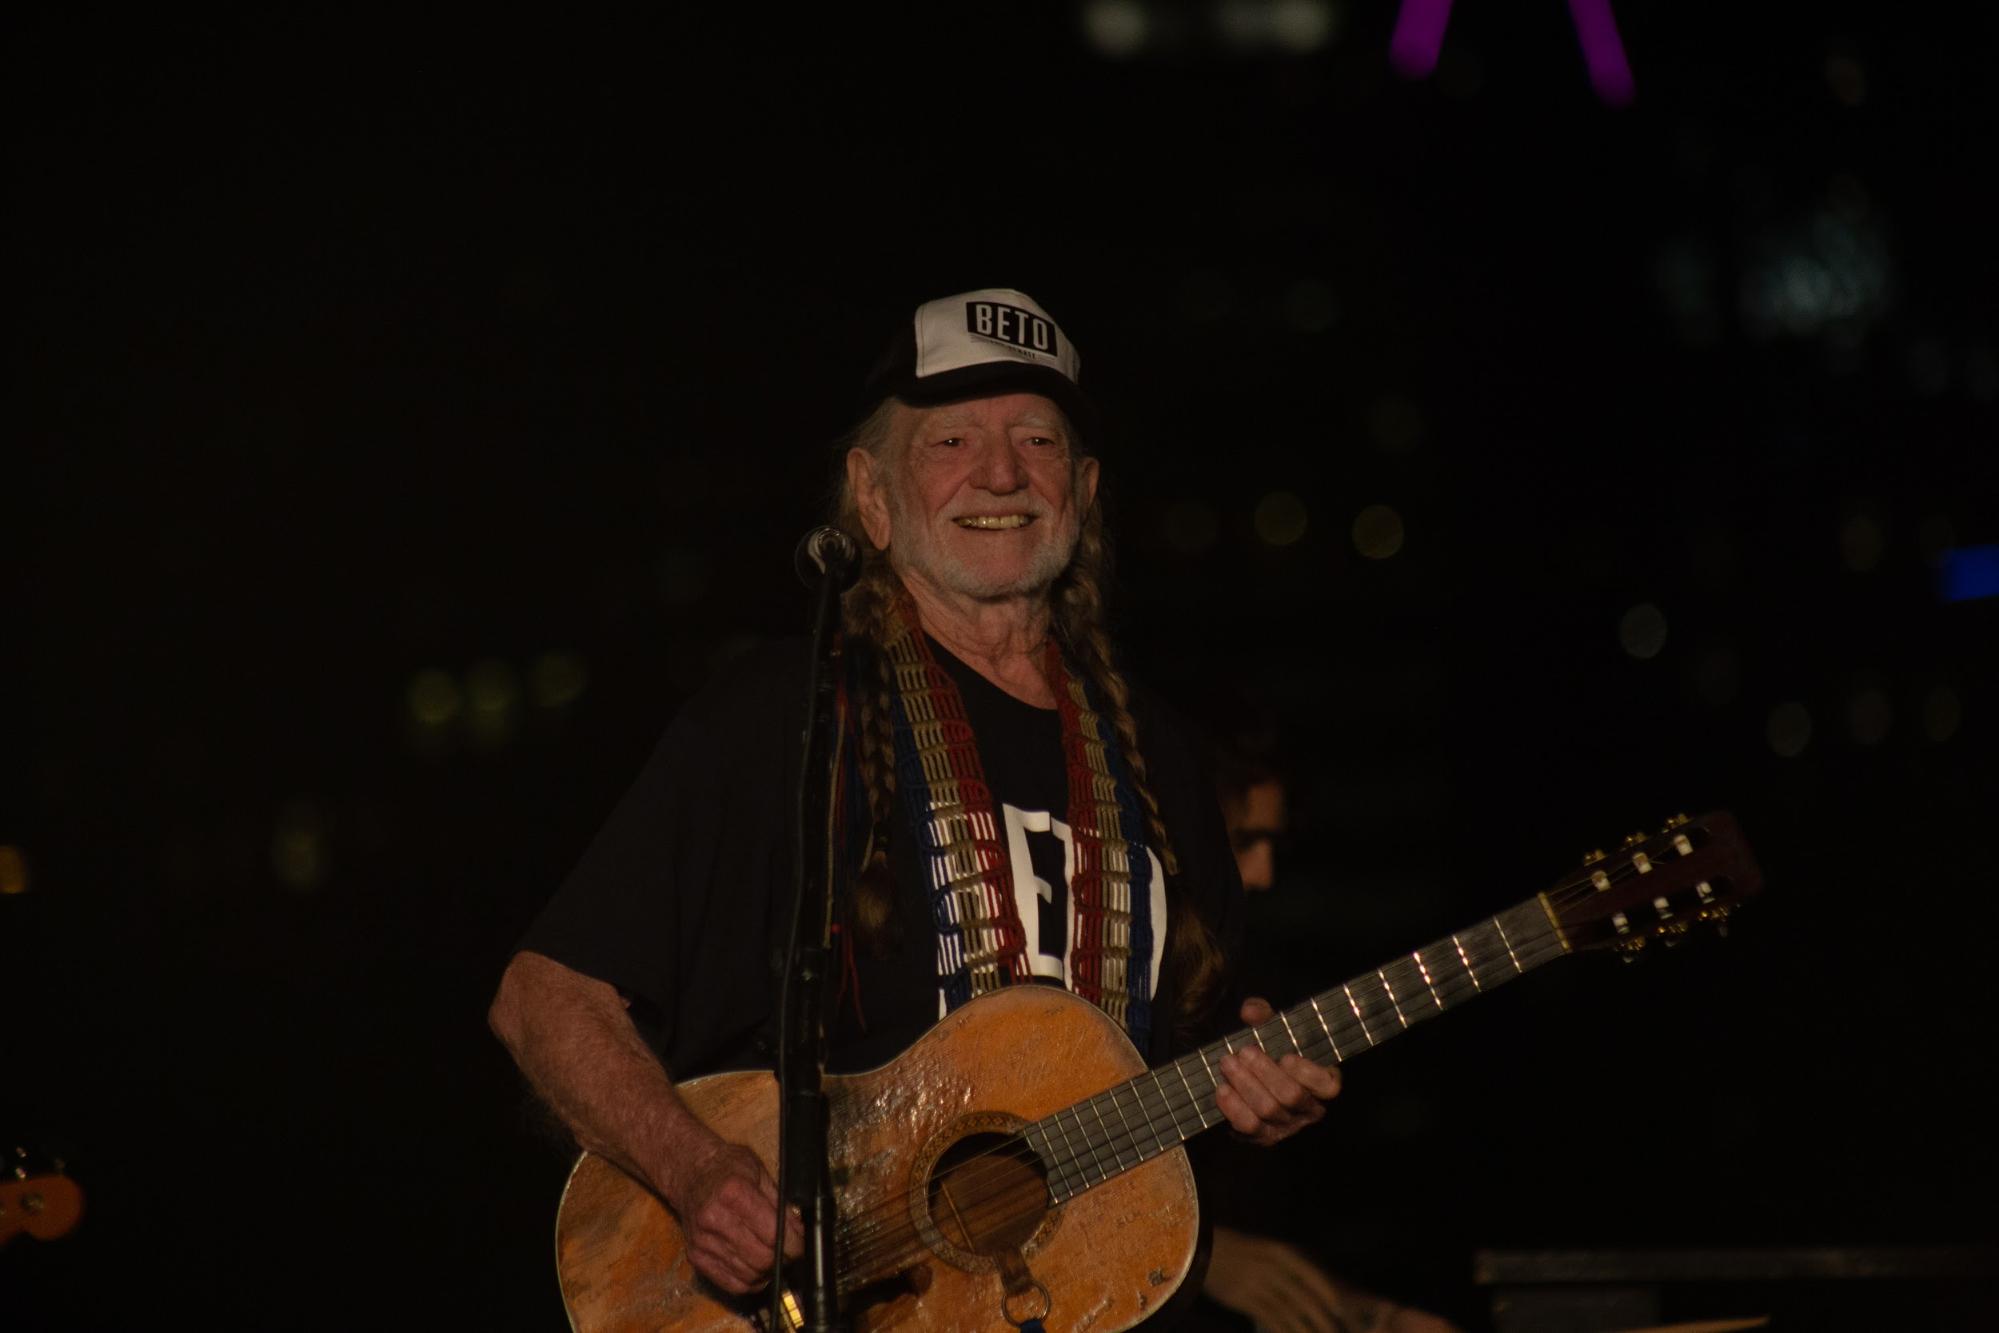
x=1077 y=602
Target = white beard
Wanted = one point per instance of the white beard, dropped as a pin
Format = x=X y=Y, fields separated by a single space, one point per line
x=913 y=544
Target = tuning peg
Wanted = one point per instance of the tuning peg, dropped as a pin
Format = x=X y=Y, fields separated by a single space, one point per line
x=1632 y=841
x=1677 y=821
x=1593 y=857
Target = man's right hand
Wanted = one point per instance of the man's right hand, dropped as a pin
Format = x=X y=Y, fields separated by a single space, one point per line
x=727 y=1206
x=571 y=1036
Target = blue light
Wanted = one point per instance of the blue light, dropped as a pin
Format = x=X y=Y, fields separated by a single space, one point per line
x=1970 y=572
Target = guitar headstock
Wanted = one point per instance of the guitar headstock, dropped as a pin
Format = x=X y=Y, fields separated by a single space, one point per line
x=1656 y=886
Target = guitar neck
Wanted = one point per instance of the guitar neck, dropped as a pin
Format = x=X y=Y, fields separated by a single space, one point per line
x=1105 y=1135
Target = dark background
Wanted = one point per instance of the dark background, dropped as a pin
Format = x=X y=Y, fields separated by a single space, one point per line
x=409 y=415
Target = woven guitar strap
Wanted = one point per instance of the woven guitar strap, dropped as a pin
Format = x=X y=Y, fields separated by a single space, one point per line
x=981 y=945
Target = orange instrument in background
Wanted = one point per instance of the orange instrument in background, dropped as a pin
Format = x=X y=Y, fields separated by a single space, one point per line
x=36 y=1198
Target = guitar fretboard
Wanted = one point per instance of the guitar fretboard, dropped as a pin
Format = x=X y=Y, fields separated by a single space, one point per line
x=1093 y=1140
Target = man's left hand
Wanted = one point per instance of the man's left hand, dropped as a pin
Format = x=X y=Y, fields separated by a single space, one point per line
x=1269 y=1100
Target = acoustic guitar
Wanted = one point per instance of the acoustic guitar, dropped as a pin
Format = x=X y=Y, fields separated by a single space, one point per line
x=1020 y=1162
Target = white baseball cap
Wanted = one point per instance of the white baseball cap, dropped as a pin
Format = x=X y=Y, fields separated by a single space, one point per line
x=978 y=344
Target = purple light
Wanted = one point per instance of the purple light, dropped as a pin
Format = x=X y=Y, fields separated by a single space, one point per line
x=1603 y=51
x=1418 y=40
x=1419 y=37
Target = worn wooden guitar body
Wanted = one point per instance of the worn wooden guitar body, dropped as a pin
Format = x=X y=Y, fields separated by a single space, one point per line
x=1101 y=1260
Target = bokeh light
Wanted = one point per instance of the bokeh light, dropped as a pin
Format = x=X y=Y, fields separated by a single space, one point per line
x=1280 y=519
x=1789 y=729
x=1861 y=544
x=1395 y=425
x=492 y=694
x=1310 y=305
x=1642 y=631
x=1116 y=28
x=1418 y=37
x=1846 y=79
x=1968 y=573
x=1295 y=26
x=558 y=679
x=1377 y=532
x=299 y=856
x=1943 y=714
x=1603 y=51
x=1830 y=272
x=13 y=871
x=1869 y=716
x=434 y=699
x=1303 y=25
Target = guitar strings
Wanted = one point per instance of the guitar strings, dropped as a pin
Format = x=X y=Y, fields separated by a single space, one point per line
x=873 y=1235
x=874 y=1240
x=886 y=1246
x=883 y=1232
x=870 y=1229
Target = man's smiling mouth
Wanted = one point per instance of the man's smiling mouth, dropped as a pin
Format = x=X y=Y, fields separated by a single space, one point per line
x=993 y=522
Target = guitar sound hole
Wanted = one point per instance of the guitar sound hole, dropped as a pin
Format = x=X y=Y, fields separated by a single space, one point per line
x=988 y=1193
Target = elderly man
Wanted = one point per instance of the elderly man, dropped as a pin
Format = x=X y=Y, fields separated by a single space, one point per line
x=1097 y=860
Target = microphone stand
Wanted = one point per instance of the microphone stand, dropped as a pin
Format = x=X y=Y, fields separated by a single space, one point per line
x=803 y=1168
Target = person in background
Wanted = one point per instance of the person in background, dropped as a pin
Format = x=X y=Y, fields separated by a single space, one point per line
x=1252 y=794
x=1273 y=1283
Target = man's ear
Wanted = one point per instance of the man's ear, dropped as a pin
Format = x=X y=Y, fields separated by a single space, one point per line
x=1086 y=484
x=870 y=496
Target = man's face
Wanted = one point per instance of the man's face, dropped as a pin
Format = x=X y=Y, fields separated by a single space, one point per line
x=1255 y=823
x=982 y=498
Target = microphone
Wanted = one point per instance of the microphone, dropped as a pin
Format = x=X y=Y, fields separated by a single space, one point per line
x=827 y=553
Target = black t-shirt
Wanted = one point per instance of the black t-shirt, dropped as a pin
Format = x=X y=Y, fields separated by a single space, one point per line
x=682 y=899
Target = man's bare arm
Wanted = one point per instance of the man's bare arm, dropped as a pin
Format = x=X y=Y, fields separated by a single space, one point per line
x=572 y=1038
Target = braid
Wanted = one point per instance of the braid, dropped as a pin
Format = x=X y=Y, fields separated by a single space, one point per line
x=864 y=620
x=1079 y=623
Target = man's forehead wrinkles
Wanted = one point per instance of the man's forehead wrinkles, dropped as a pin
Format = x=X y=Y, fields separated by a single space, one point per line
x=1006 y=411
x=963 y=420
